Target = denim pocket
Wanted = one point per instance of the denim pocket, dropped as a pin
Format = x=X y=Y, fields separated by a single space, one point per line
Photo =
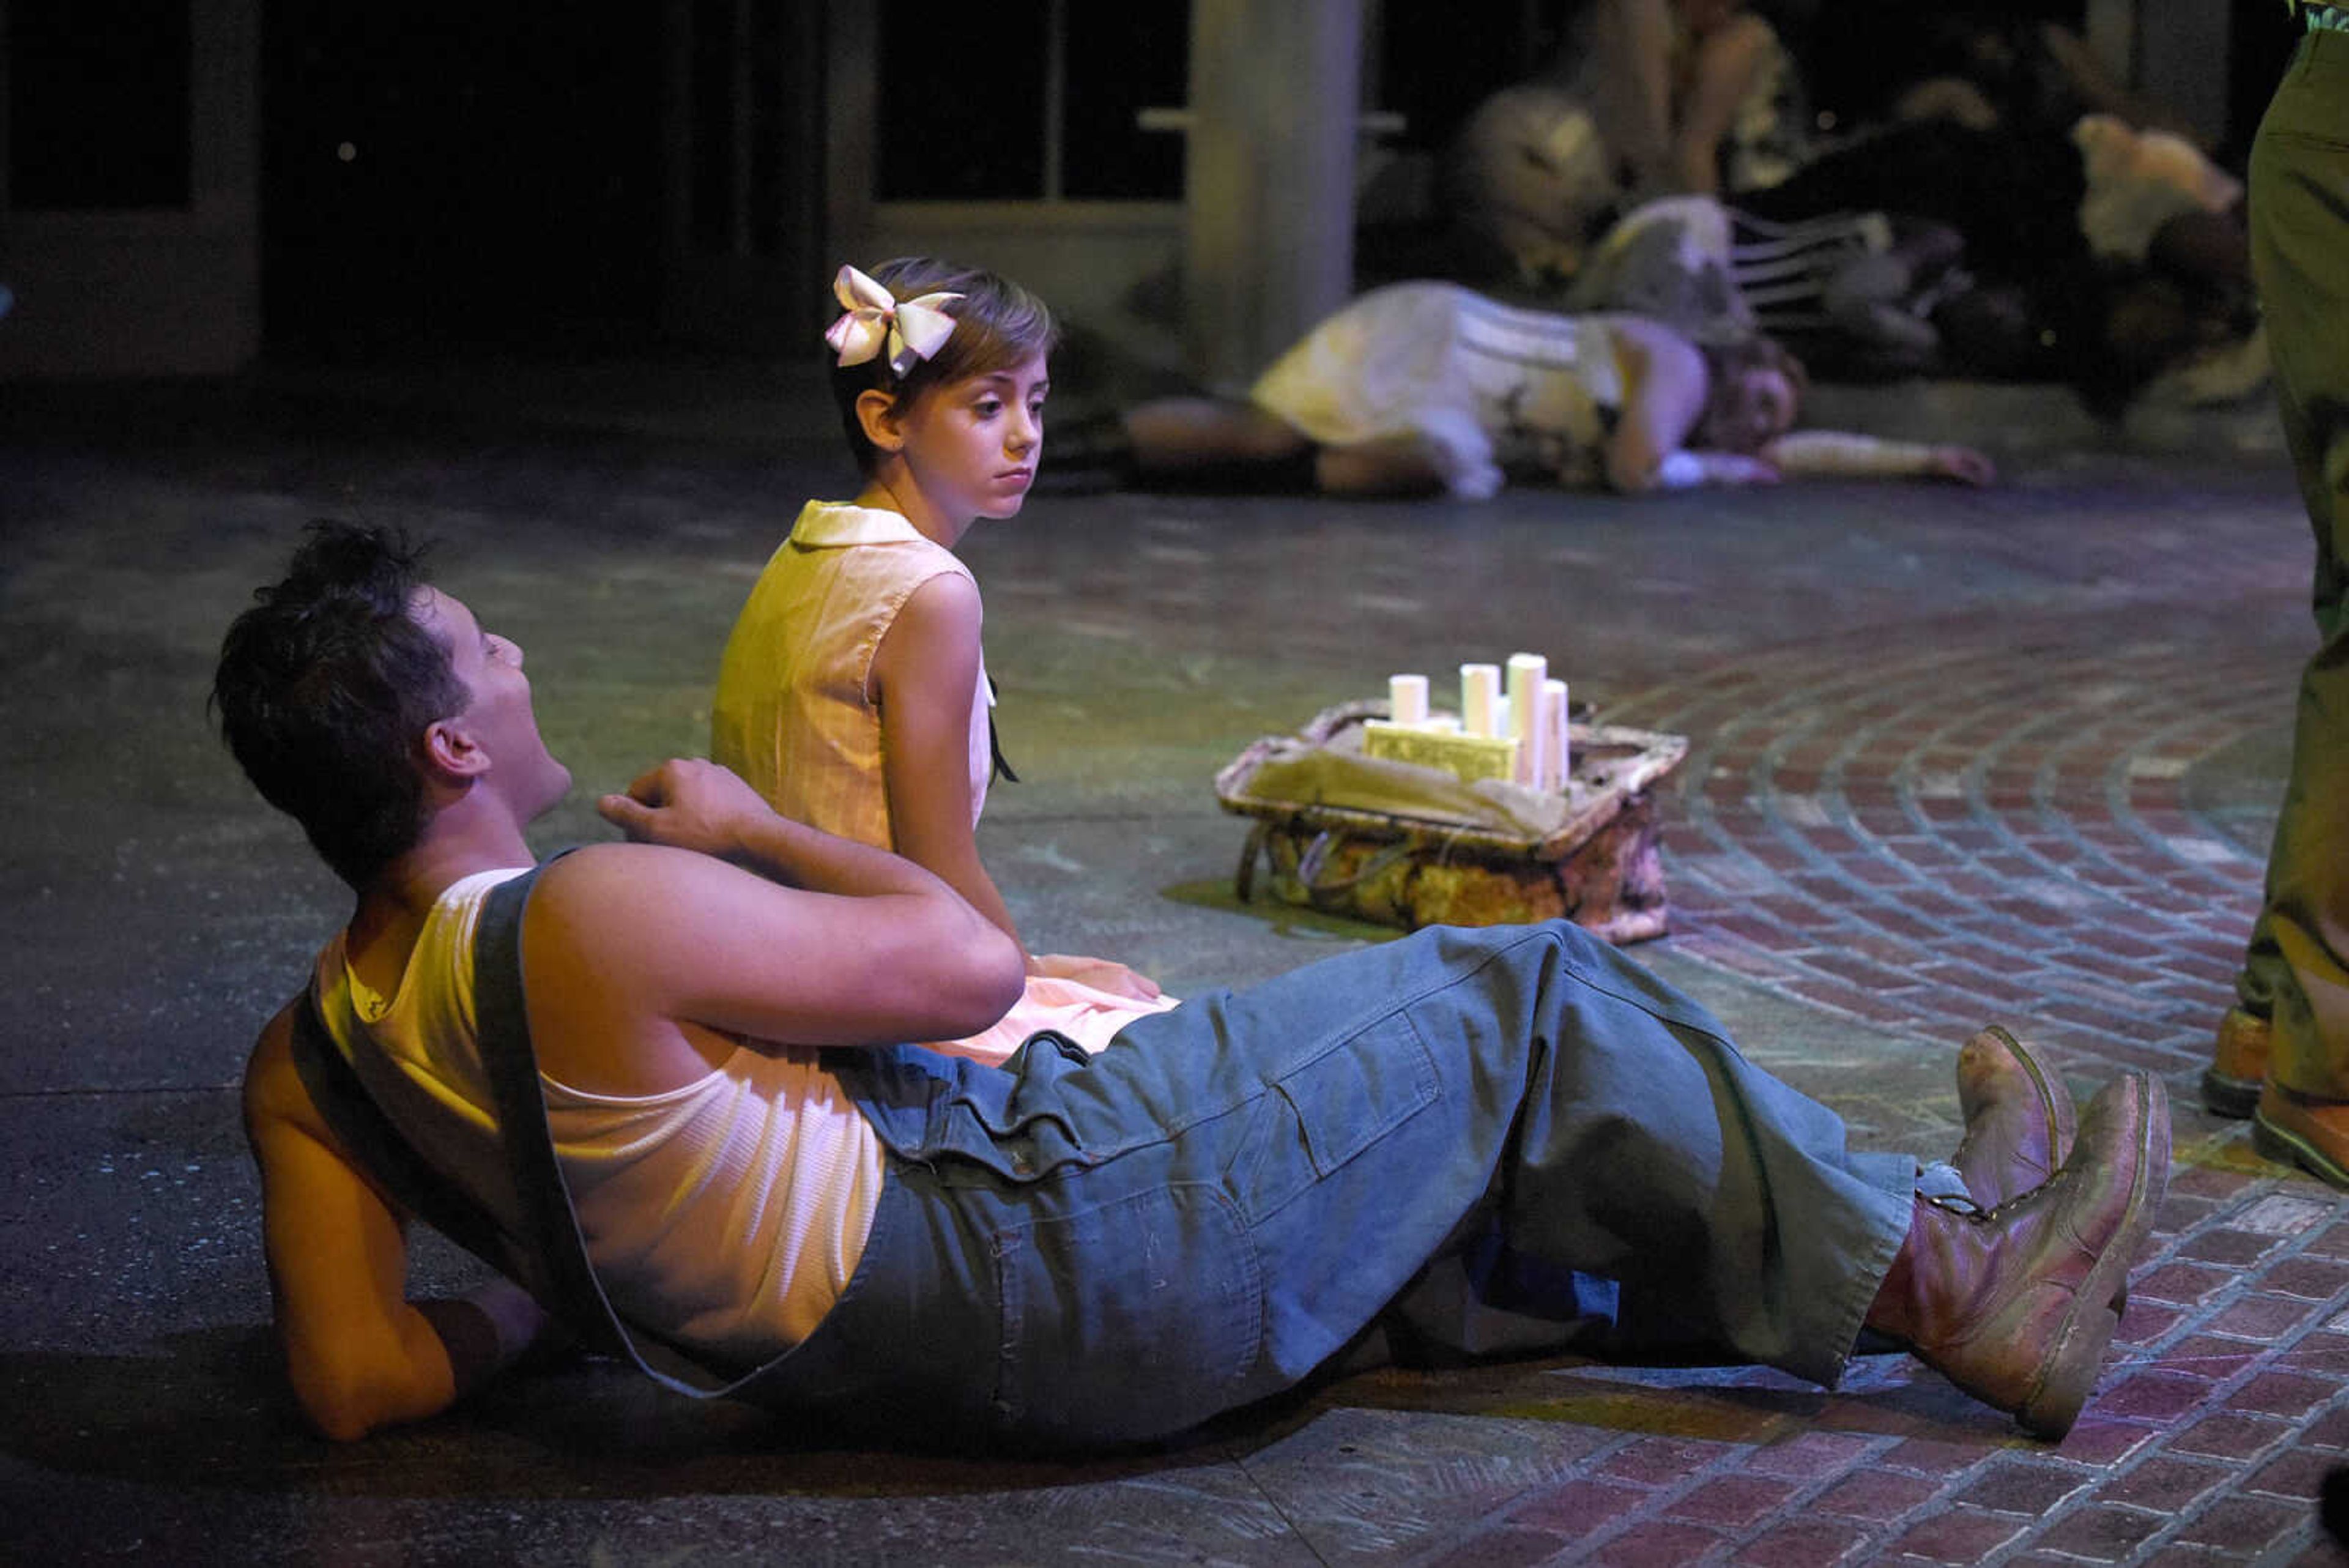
x=1360 y=1089
x=1132 y=1319
x=1326 y=1111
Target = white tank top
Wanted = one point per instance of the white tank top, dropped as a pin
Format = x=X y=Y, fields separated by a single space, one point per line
x=728 y=1213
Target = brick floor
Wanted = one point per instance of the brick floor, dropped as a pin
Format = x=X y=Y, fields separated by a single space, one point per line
x=1895 y=838
x=1990 y=813
x=2042 y=790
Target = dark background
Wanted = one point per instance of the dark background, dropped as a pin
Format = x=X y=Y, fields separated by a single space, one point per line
x=503 y=179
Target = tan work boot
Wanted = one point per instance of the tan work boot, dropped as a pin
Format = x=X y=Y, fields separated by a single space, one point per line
x=2294 y=1128
x=2018 y=1115
x=2017 y=1307
x=2239 y=1065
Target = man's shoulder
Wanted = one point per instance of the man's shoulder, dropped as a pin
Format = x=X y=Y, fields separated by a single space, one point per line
x=273 y=1052
x=614 y=887
x=607 y=857
x=589 y=869
x=274 y=1090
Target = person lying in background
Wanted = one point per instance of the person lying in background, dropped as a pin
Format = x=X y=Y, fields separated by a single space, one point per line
x=1430 y=388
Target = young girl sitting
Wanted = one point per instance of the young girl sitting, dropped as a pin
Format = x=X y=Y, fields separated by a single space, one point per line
x=853 y=695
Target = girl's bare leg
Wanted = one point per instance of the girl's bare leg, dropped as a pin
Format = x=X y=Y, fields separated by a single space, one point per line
x=1202 y=438
x=1395 y=466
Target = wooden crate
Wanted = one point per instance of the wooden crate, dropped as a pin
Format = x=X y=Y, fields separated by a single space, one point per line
x=1600 y=868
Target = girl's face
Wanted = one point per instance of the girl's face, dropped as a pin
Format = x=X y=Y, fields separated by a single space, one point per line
x=970 y=446
x=1757 y=408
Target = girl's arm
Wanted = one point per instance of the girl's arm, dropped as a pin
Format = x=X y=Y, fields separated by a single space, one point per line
x=1664 y=386
x=1840 y=454
x=924 y=675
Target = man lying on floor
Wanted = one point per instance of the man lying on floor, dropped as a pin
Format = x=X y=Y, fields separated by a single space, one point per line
x=653 y=1083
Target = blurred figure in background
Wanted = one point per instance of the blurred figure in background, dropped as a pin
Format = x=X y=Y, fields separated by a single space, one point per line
x=2282 y=1055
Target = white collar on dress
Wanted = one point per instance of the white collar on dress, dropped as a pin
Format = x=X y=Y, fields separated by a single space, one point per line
x=832 y=522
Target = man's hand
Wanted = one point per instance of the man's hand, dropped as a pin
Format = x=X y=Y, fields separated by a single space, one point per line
x=687 y=804
x=1102 y=974
x=487 y=1330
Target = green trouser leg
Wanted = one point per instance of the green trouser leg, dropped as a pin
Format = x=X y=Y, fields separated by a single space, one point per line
x=2296 y=972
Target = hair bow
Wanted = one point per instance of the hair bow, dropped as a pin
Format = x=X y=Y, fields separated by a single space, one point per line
x=913 y=329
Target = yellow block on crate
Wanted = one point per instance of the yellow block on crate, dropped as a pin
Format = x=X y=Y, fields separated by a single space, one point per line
x=1468 y=758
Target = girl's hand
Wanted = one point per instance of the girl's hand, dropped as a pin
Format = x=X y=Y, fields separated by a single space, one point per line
x=1963 y=464
x=1734 y=468
x=1102 y=974
x=686 y=803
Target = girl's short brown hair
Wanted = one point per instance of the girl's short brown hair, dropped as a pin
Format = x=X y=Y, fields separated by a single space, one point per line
x=997 y=324
x=1726 y=366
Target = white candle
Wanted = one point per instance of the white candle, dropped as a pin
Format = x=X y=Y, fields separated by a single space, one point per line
x=1407 y=699
x=1528 y=671
x=1480 y=699
x=1561 y=753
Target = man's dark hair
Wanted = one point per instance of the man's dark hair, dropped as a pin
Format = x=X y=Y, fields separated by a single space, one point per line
x=325 y=687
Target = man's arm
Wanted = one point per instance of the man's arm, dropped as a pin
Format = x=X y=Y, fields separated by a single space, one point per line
x=773 y=931
x=2086 y=76
x=1726 y=66
x=358 y=1354
x=1634 y=39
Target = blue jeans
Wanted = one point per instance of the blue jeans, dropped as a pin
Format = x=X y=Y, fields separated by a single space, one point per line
x=1118 y=1247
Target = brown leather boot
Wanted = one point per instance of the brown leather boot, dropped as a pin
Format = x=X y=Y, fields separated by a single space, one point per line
x=2294 y=1128
x=2020 y=1122
x=2239 y=1065
x=2016 y=1307
x=2018 y=1114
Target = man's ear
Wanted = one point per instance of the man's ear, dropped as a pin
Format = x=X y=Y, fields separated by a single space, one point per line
x=876 y=411
x=449 y=749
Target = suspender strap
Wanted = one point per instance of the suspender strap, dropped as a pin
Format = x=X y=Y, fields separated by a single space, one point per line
x=362 y=1130
x=551 y=1260
x=572 y=1292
